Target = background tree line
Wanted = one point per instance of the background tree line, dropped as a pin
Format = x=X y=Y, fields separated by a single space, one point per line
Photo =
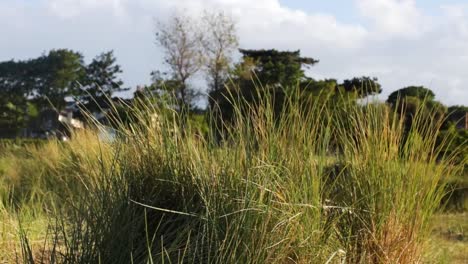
x=29 y=86
x=193 y=47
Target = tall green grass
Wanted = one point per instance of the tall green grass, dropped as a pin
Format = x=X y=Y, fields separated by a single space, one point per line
x=311 y=181
x=392 y=179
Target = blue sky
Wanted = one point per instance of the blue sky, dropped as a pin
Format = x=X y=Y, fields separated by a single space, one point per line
x=346 y=11
x=402 y=42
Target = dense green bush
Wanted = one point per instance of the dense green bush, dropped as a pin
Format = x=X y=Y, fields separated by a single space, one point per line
x=456 y=198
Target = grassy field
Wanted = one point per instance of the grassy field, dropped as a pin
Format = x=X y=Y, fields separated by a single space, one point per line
x=319 y=182
x=449 y=240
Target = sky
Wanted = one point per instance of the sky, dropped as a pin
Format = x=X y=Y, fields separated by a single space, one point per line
x=401 y=42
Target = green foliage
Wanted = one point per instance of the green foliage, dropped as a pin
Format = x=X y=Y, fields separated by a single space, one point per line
x=457 y=190
x=272 y=74
x=316 y=87
x=416 y=100
x=419 y=92
x=262 y=75
x=27 y=87
x=101 y=81
x=164 y=90
x=272 y=67
x=47 y=80
x=57 y=74
x=456 y=198
x=456 y=116
x=362 y=86
x=15 y=79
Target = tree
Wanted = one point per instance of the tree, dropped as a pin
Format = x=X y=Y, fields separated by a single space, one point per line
x=101 y=81
x=413 y=99
x=274 y=68
x=16 y=87
x=219 y=42
x=419 y=92
x=362 y=86
x=261 y=72
x=56 y=76
x=159 y=91
x=37 y=84
x=456 y=116
x=180 y=39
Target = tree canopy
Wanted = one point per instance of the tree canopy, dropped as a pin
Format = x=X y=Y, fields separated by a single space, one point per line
x=412 y=99
x=33 y=85
x=362 y=86
x=44 y=80
x=273 y=67
x=56 y=76
x=419 y=92
x=456 y=116
x=15 y=86
x=101 y=81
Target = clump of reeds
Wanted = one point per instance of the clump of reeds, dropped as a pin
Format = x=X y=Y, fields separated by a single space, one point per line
x=312 y=181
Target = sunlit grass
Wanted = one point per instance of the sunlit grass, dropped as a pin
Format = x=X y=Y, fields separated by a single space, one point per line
x=449 y=240
x=310 y=182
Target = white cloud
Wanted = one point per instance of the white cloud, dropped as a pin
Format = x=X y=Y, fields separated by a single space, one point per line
x=396 y=40
x=394 y=17
x=72 y=8
x=268 y=23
